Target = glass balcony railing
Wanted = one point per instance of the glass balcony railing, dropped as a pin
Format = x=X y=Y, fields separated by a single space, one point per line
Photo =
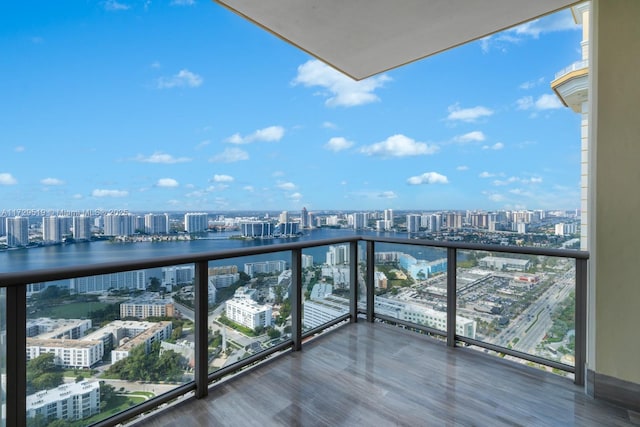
x=578 y=65
x=105 y=343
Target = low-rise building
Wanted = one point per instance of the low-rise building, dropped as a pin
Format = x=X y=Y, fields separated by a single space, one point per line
x=137 y=333
x=247 y=312
x=68 y=353
x=71 y=401
x=507 y=264
x=147 y=307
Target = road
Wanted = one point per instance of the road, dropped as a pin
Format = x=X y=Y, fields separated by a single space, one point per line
x=531 y=326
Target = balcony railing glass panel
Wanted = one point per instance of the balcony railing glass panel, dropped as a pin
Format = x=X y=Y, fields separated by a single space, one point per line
x=411 y=284
x=249 y=306
x=99 y=345
x=326 y=284
x=524 y=303
x=361 y=272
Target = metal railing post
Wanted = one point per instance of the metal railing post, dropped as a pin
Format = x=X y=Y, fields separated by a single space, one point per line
x=580 y=321
x=201 y=314
x=16 y=358
x=371 y=257
x=353 y=281
x=451 y=296
x=296 y=298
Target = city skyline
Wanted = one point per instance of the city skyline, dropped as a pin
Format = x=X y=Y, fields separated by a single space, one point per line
x=108 y=109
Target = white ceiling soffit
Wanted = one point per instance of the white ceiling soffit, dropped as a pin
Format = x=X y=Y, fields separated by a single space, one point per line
x=366 y=37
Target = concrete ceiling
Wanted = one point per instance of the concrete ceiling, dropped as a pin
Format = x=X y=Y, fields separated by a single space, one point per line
x=365 y=37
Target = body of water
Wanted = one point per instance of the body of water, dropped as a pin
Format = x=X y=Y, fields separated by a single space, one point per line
x=105 y=251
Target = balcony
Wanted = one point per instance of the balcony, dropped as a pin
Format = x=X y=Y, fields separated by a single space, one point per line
x=453 y=344
x=571 y=84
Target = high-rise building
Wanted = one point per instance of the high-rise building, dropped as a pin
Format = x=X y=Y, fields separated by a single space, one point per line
x=259 y=229
x=359 y=220
x=196 y=222
x=81 y=227
x=284 y=217
x=119 y=224
x=17 y=231
x=338 y=255
x=435 y=223
x=156 y=223
x=413 y=223
x=388 y=219
x=54 y=228
x=304 y=218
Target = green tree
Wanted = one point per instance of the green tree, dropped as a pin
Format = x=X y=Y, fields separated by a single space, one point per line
x=43 y=373
x=154 y=284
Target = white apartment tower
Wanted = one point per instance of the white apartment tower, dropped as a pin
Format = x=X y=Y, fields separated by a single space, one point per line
x=388 y=219
x=359 y=220
x=81 y=227
x=54 y=228
x=413 y=223
x=119 y=224
x=196 y=222
x=17 y=231
x=156 y=223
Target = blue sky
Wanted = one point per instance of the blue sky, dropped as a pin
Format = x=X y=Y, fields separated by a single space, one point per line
x=182 y=105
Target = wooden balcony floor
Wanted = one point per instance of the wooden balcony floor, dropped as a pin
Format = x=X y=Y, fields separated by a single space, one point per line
x=376 y=375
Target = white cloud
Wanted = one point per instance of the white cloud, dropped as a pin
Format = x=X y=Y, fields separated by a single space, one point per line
x=77 y=196
x=329 y=125
x=109 y=193
x=462 y=168
x=19 y=149
x=155 y=64
x=230 y=155
x=338 y=144
x=553 y=23
x=51 y=181
x=167 y=183
x=468 y=114
x=486 y=174
x=277 y=174
x=496 y=146
x=561 y=21
x=525 y=103
x=248 y=188
x=544 y=102
x=399 y=146
x=388 y=195
x=7 y=179
x=203 y=144
x=159 y=157
x=340 y=90
x=222 y=178
x=548 y=102
x=182 y=2
x=535 y=180
x=268 y=134
x=496 y=197
x=531 y=84
x=475 y=136
x=428 y=178
x=295 y=196
x=287 y=186
x=182 y=79
x=113 y=5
